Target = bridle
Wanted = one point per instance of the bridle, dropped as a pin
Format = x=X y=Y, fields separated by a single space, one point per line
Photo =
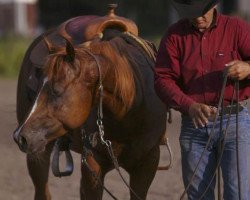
x=220 y=108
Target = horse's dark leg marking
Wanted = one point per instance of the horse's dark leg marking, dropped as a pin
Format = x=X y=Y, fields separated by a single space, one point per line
x=142 y=176
x=39 y=172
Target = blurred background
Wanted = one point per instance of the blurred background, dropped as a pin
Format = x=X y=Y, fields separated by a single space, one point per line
x=22 y=20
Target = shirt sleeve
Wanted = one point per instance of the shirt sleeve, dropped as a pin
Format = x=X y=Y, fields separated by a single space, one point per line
x=244 y=41
x=168 y=76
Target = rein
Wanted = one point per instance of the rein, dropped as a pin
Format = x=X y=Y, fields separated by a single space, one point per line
x=85 y=153
x=222 y=145
x=225 y=132
x=107 y=143
x=237 y=140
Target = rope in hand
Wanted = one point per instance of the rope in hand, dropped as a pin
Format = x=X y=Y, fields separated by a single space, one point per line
x=236 y=87
x=209 y=139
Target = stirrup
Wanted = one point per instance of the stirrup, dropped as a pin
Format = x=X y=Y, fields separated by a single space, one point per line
x=165 y=142
x=62 y=145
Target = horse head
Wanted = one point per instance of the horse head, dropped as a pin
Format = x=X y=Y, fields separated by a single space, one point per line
x=72 y=76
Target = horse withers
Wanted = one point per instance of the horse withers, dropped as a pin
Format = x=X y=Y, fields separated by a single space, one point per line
x=66 y=99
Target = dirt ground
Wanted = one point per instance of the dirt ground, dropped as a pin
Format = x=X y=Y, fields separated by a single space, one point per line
x=15 y=183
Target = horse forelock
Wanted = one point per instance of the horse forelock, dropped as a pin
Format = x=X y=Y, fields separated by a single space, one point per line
x=124 y=77
x=56 y=63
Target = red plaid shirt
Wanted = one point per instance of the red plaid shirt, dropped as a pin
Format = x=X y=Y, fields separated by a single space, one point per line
x=190 y=64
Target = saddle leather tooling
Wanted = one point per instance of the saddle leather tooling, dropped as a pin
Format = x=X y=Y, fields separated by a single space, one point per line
x=96 y=25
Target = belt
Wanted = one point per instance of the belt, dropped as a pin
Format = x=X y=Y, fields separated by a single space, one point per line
x=232 y=109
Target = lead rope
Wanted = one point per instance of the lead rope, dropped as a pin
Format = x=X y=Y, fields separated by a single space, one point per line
x=236 y=87
x=108 y=144
x=222 y=146
x=85 y=153
x=220 y=151
x=237 y=139
x=209 y=139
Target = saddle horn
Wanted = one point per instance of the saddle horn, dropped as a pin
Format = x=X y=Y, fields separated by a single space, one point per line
x=97 y=26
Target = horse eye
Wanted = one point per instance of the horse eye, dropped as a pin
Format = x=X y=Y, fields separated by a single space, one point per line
x=56 y=90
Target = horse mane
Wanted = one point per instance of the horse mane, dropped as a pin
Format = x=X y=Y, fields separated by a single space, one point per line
x=115 y=52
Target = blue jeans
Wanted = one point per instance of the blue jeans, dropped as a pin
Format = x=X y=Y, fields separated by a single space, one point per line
x=193 y=142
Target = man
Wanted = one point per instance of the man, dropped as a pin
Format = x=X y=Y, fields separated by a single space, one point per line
x=193 y=58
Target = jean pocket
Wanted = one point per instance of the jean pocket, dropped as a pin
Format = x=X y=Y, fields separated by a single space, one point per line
x=243 y=125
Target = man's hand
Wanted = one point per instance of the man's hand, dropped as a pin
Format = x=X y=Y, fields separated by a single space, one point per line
x=200 y=114
x=238 y=70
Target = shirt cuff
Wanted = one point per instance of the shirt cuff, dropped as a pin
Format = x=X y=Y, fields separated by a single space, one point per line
x=248 y=77
x=186 y=104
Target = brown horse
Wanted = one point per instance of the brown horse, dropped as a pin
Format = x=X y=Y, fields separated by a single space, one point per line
x=66 y=99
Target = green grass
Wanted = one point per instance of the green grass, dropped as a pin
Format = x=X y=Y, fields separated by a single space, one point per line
x=12 y=50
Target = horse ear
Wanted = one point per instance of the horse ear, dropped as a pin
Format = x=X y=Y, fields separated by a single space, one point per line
x=49 y=46
x=70 y=57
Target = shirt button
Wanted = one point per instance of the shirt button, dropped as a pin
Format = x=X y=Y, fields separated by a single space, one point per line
x=204 y=38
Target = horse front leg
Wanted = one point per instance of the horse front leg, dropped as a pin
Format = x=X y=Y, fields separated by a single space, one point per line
x=38 y=167
x=142 y=176
x=92 y=180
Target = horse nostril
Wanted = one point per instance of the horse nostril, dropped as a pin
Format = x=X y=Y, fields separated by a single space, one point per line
x=22 y=143
x=16 y=135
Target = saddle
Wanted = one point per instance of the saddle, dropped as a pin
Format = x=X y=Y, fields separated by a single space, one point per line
x=96 y=25
x=79 y=30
